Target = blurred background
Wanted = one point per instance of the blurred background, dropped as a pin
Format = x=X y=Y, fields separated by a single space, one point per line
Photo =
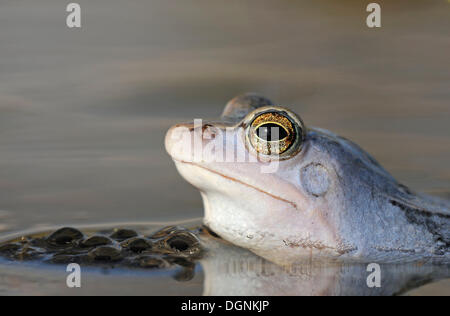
x=83 y=112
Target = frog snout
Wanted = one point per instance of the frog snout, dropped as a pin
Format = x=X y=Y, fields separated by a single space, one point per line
x=186 y=142
x=178 y=137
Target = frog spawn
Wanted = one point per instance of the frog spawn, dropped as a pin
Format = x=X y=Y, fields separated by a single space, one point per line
x=170 y=247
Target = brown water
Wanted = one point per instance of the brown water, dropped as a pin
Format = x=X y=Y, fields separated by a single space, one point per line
x=83 y=113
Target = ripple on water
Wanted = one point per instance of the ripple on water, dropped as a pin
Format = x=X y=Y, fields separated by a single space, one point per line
x=5 y=221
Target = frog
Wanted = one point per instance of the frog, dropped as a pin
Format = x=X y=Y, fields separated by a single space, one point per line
x=292 y=193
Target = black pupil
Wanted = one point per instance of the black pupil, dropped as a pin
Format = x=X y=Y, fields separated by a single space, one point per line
x=271 y=132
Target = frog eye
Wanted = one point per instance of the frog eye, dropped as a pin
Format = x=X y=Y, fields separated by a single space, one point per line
x=272 y=133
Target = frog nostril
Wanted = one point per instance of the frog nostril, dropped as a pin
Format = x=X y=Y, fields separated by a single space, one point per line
x=206 y=126
x=208 y=132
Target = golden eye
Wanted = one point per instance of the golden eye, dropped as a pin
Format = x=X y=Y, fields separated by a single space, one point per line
x=271 y=133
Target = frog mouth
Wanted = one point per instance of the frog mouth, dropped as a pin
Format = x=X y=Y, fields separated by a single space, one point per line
x=276 y=197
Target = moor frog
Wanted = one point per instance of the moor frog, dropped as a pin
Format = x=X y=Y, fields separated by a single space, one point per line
x=289 y=192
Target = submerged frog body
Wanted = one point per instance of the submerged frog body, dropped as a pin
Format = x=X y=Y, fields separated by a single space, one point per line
x=292 y=192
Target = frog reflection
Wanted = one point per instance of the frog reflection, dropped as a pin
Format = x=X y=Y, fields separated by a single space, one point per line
x=230 y=270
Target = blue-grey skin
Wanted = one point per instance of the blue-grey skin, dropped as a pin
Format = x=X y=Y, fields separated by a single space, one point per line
x=382 y=220
x=330 y=199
